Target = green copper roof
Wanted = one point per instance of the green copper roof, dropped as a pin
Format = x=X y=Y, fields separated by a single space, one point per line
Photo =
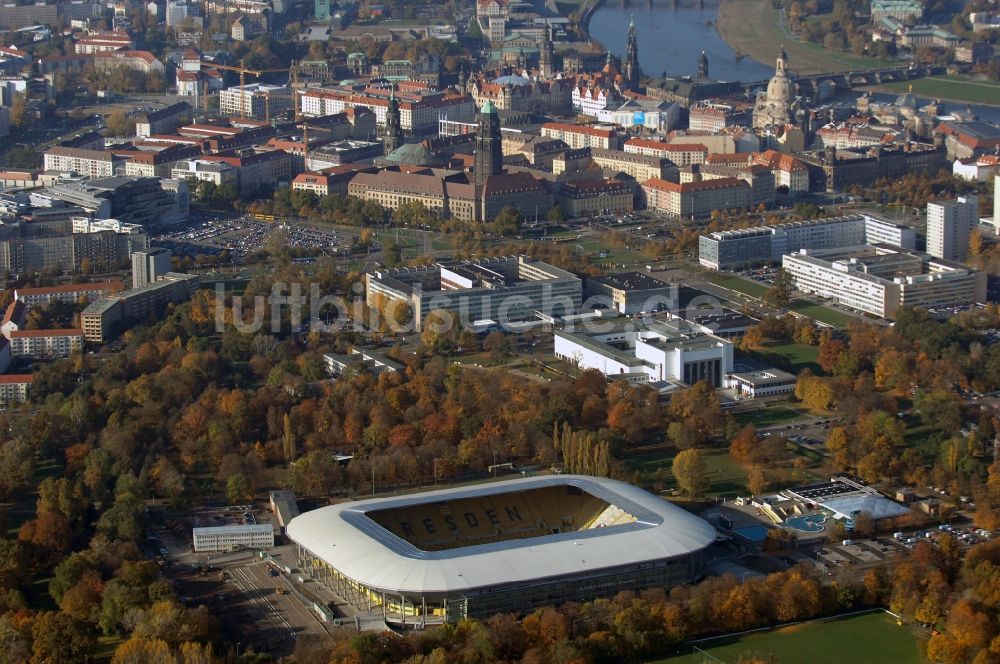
x=488 y=107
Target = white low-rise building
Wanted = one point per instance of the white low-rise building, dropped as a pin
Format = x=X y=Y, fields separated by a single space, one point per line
x=673 y=351
x=228 y=538
x=376 y=363
x=761 y=383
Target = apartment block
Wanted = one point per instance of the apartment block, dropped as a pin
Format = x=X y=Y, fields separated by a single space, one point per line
x=682 y=154
x=45 y=343
x=67 y=292
x=109 y=316
x=255 y=100
x=14 y=388
x=90 y=163
x=582 y=136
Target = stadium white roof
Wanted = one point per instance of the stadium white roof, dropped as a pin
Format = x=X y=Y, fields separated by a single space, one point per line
x=362 y=550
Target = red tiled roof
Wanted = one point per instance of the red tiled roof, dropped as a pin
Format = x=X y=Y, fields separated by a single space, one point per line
x=73 y=332
x=14 y=310
x=667 y=147
x=688 y=187
x=145 y=56
x=72 y=288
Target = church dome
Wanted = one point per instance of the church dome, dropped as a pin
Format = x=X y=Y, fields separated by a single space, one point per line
x=906 y=100
x=512 y=79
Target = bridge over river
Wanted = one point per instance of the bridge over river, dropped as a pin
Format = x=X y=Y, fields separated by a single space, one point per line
x=810 y=85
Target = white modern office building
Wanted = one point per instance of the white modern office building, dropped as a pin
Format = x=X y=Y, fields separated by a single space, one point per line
x=664 y=352
x=503 y=289
x=949 y=224
x=880 y=280
x=761 y=383
x=732 y=250
x=227 y=538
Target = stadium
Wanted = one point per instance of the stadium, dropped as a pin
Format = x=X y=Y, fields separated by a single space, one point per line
x=512 y=546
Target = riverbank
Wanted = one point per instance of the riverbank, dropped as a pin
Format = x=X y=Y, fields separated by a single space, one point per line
x=957 y=89
x=755 y=28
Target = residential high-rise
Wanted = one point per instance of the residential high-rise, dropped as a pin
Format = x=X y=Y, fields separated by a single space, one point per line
x=632 y=59
x=489 y=153
x=148 y=266
x=949 y=224
x=393 y=126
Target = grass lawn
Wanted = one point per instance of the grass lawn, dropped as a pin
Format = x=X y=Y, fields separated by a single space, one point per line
x=105 y=648
x=738 y=284
x=872 y=638
x=726 y=477
x=800 y=356
x=821 y=313
x=957 y=88
x=754 y=28
x=765 y=417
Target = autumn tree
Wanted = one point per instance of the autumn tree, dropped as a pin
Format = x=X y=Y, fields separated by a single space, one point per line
x=56 y=637
x=439 y=331
x=780 y=293
x=745 y=446
x=689 y=472
x=756 y=481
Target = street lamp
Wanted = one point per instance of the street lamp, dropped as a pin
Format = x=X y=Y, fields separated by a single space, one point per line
x=494 y=463
x=436 y=459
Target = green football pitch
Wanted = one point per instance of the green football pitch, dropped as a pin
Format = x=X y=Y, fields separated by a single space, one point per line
x=872 y=638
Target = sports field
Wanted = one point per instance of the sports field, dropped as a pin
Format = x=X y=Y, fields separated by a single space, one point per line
x=872 y=638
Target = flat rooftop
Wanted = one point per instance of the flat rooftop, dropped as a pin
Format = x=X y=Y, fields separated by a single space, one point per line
x=630 y=281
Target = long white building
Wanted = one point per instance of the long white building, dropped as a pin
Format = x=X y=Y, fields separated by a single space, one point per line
x=728 y=250
x=503 y=289
x=228 y=538
x=664 y=352
x=880 y=280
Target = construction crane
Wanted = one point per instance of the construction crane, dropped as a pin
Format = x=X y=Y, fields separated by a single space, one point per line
x=243 y=71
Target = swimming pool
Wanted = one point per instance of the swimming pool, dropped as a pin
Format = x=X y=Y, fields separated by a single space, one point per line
x=807 y=523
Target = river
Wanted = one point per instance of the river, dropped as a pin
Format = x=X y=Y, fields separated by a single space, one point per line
x=671 y=37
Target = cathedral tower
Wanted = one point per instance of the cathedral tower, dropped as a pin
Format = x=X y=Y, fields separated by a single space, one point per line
x=632 y=59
